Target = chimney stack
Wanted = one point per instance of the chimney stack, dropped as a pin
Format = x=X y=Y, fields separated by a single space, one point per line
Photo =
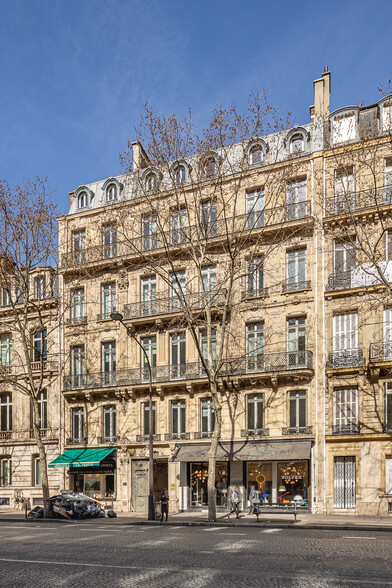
x=140 y=158
x=322 y=90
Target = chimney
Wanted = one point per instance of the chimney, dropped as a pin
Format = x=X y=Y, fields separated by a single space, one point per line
x=322 y=90
x=71 y=197
x=140 y=158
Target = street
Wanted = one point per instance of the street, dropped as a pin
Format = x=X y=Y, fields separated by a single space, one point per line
x=108 y=554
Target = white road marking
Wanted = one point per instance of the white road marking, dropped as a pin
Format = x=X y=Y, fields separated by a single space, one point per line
x=19 y=527
x=373 y=538
x=270 y=530
x=75 y=563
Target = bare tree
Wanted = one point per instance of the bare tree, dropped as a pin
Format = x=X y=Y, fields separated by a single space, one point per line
x=28 y=284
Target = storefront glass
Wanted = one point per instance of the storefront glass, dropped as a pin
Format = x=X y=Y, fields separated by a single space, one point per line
x=199 y=478
x=260 y=474
x=292 y=481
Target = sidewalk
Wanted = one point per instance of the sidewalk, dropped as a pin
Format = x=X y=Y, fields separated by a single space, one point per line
x=267 y=520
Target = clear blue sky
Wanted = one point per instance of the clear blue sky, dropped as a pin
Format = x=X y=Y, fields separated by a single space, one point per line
x=75 y=74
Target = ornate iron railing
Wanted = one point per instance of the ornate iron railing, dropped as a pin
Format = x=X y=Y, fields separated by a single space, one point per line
x=105 y=316
x=346 y=358
x=77 y=320
x=349 y=429
x=172 y=305
x=255 y=432
x=297 y=430
x=203 y=435
x=254 y=293
x=43 y=433
x=5 y=435
x=76 y=441
x=145 y=438
x=354 y=201
x=177 y=436
x=292 y=286
x=340 y=281
x=380 y=351
x=110 y=439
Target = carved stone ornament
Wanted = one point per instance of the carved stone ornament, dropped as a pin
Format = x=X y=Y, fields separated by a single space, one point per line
x=122 y=280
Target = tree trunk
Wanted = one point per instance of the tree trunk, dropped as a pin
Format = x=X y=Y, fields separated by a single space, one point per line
x=212 y=454
x=42 y=458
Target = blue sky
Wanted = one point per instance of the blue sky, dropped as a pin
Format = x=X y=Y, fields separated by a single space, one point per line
x=76 y=74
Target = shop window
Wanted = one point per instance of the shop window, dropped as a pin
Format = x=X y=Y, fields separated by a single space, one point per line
x=146 y=418
x=292 y=482
x=199 y=480
x=6 y=472
x=259 y=475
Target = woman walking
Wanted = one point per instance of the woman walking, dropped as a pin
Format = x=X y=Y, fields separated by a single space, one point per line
x=164 y=504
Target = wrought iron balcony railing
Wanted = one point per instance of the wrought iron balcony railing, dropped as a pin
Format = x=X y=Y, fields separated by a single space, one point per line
x=43 y=433
x=203 y=435
x=292 y=285
x=297 y=431
x=105 y=316
x=145 y=438
x=354 y=201
x=77 y=320
x=254 y=293
x=381 y=351
x=241 y=225
x=348 y=429
x=255 y=432
x=172 y=305
x=177 y=436
x=345 y=359
x=108 y=439
x=271 y=362
x=5 y=435
x=76 y=441
x=340 y=281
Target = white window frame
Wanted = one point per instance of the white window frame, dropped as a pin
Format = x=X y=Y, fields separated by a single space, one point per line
x=208 y=404
x=345 y=407
x=109 y=416
x=6 y=408
x=6 y=349
x=5 y=472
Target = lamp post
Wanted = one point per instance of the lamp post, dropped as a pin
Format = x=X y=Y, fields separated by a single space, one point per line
x=117 y=316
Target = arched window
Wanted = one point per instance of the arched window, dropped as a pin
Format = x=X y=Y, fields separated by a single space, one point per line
x=255 y=155
x=111 y=193
x=151 y=182
x=297 y=143
x=180 y=175
x=209 y=166
x=82 y=199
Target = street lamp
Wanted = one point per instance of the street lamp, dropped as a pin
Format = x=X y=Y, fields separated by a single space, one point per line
x=117 y=316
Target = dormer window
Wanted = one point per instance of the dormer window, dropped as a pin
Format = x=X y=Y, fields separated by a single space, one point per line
x=82 y=200
x=297 y=144
x=344 y=128
x=209 y=166
x=151 y=182
x=111 y=193
x=255 y=155
x=83 y=197
x=387 y=118
x=180 y=174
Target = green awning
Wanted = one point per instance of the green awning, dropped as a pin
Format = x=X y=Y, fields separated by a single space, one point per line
x=79 y=458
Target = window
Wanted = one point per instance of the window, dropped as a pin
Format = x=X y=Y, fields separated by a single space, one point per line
x=40 y=288
x=109 y=421
x=40 y=346
x=255 y=346
x=344 y=190
x=345 y=410
x=37 y=479
x=204 y=344
x=6 y=349
x=296 y=270
x=148 y=295
x=177 y=355
x=387 y=334
x=255 y=209
x=207 y=415
x=108 y=300
x=297 y=409
x=255 y=277
x=109 y=237
x=109 y=362
x=150 y=232
x=255 y=155
x=344 y=253
x=388 y=246
x=388 y=474
x=150 y=347
x=344 y=129
x=296 y=342
x=146 y=417
x=5 y=297
x=345 y=338
x=151 y=182
x=6 y=471
x=111 y=193
x=297 y=144
x=79 y=246
x=6 y=412
x=208 y=220
x=210 y=167
x=387 y=118
x=42 y=400
x=177 y=289
x=78 y=423
x=77 y=365
x=388 y=179
x=255 y=404
x=178 y=417
x=82 y=199
x=388 y=408
x=178 y=224
x=296 y=200
x=180 y=174
x=208 y=290
x=78 y=308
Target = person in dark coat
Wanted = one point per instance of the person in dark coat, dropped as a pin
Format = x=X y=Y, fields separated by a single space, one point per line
x=164 y=503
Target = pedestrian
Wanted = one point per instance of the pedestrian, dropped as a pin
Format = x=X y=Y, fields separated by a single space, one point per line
x=235 y=499
x=252 y=496
x=164 y=504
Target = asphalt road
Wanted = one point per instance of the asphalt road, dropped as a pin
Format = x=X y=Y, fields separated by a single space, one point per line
x=104 y=554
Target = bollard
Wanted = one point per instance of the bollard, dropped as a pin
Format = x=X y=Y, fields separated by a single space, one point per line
x=26 y=509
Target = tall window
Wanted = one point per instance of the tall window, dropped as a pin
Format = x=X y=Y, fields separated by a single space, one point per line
x=78 y=305
x=208 y=219
x=79 y=246
x=6 y=412
x=5 y=297
x=255 y=346
x=207 y=415
x=255 y=411
x=40 y=288
x=109 y=362
x=82 y=199
x=6 y=471
x=208 y=275
x=178 y=416
x=77 y=365
x=6 y=349
x=146 y=417
x=210 y=166
x=151 y=182
x=178 y=225
x=177 y=355
x=344 y=261
x=388 y=179
x=255 y=277
x=177 y=289
x=78 y=423
x=109 y=238
x=345 y=410
x=297 y=409
x=345 y=338
x=255 y=209
x=255 y=155
x=388 y=474
x=109 y=421
x=148 y=295
x=111 y=193
x=296 y=341
x=296 y=200
x=150 y=347
x=37 y=479
x=387 y=334
x=388 y=408
x=108 y=300
x=204 y=344
x=180 y=175
x=150 y=232
x=344 y=190
x=40 y=346
x=42 y=400
x=296 y=269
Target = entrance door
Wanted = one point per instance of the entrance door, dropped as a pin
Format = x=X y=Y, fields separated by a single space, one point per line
x=344 y=482
x=160 y=479
x=140 y=486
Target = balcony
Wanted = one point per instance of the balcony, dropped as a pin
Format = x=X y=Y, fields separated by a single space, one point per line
x=255 y=432
x=293 y=286
x=297 y=430
x=105 y=316
x=254 y=293
x=43 y=433
x=5 y=370
x=76 y=320
x=203 y=435
x=380 y=352
x=345 y=359
x=172 y=305
x=46 y=366
x=348 y=429
x=177 y=436
x=248 y=365
x=108 y=440
x=76 y=441
x=5 y=435
x=145 y=438
x=352 y=202
x=243 y=225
